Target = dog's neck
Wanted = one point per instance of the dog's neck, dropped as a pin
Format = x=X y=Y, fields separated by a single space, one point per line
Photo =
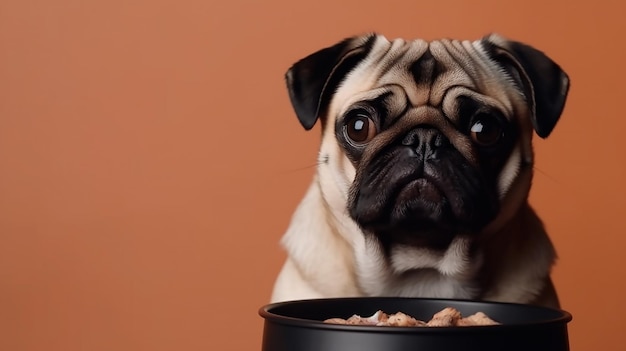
x=468 y=268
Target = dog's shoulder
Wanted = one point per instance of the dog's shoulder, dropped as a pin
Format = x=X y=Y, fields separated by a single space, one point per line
x=319 y=256
x=518 y=261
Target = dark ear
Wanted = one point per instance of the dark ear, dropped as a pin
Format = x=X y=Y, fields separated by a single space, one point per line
x=542 y=81
x=313 y=80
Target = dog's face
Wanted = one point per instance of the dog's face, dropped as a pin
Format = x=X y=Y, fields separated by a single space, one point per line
x=425 y=141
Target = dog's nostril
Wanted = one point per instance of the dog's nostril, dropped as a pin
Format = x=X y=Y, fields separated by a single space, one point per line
x=410 y=139
x=417 y=136
x=440 y=141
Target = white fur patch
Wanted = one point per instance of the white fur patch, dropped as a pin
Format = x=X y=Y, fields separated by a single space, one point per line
x=416 y=271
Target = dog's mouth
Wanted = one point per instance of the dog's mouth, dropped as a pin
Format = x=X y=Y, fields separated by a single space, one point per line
x=419 y=199
x=420 y=188
x=417 y=205
x=424 y=203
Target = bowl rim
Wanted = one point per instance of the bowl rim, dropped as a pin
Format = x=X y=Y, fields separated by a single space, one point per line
x=265 y=312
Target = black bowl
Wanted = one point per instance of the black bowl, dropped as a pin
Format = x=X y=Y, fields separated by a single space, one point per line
x=298 y=326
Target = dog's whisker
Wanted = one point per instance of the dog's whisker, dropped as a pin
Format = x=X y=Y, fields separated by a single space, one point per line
x=545 y=174
x=300 y=169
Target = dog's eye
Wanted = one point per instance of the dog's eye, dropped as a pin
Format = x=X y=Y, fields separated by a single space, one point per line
x=359 y=127
x=486 y=130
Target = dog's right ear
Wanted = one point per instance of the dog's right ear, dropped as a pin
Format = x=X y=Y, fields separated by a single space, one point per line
x=312 y=81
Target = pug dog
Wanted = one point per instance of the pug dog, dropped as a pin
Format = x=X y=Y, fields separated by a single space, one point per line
x=424 y=171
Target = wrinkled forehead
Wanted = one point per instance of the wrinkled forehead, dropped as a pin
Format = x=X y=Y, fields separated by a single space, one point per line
x=427 y=71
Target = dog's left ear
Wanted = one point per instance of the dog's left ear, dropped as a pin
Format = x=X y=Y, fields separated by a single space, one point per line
x=542 y=80
x=312 y=80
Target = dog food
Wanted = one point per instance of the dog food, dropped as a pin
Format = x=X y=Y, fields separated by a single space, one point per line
x=448 y=317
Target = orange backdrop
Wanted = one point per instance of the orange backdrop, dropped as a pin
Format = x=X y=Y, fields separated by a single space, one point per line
x=150 y=160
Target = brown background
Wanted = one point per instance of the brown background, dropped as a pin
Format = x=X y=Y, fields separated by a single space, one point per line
x=150 y=160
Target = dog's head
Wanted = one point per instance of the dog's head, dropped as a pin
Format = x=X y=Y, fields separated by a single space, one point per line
x=423 y=141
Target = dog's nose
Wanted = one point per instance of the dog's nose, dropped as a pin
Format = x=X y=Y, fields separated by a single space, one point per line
x=425 y=141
